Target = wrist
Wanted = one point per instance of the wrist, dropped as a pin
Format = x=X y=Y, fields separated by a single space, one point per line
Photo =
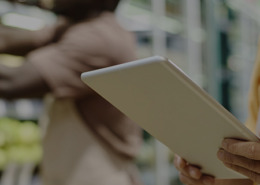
x=42 y=37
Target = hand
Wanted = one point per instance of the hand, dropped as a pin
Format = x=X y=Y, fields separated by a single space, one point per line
x=52 y=33
x=241 y=156
x=191 y=175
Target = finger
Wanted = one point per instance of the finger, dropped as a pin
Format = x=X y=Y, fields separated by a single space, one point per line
x=234 y=181
x=205 y=180
x=188 y=180
x=246 y=149
x=250 y=164
x=188 y=170
x=250 y=174
x=179 y=162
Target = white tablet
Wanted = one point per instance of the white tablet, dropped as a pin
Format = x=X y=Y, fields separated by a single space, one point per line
x=160 y=98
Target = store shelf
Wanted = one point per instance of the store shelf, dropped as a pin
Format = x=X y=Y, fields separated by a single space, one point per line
x=250 y=8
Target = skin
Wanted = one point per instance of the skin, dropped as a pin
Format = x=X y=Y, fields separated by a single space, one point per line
x=25 y=81
x=21 y=82
x=20 y=42
x=191 y=175
x=241 y=156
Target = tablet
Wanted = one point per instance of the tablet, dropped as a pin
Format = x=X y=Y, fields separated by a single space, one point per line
x=165 y=102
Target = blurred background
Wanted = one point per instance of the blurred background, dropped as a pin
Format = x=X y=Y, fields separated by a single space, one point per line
x=213 y=41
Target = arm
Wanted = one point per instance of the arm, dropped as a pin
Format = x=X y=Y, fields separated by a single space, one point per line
x=17 y=41
x=20 y=42
x=21 y=82
x=191 y=175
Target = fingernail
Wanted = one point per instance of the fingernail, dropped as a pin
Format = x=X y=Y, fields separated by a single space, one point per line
x=208 y=181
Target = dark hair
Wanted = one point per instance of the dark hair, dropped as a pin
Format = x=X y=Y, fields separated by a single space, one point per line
x=110 y=5
x=81 y=9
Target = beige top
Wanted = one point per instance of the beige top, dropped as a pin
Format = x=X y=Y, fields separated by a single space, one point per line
x=86 y=46
x=73 y=155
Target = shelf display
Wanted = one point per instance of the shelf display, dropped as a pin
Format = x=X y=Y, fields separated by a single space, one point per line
x=20 y=142
x=20 y=151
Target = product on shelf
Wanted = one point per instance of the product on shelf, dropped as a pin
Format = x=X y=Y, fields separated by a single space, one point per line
x=20 y=142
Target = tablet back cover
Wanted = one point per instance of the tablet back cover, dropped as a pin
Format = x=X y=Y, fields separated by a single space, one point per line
x=160 y=98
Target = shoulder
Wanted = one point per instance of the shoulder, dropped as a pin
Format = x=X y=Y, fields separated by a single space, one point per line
x=102 y=35
x=104 y=26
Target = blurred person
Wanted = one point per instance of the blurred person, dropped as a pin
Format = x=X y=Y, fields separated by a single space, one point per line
x=241 y=156
x=87 y=140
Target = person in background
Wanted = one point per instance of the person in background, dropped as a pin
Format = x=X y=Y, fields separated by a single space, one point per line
x=87 y=140
x=241 y=156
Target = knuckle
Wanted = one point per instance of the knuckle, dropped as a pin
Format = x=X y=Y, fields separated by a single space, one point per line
x=252 y=151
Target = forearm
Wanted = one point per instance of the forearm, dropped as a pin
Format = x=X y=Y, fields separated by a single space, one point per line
x=20 y=42
x=17 y=41
x=21 y=82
